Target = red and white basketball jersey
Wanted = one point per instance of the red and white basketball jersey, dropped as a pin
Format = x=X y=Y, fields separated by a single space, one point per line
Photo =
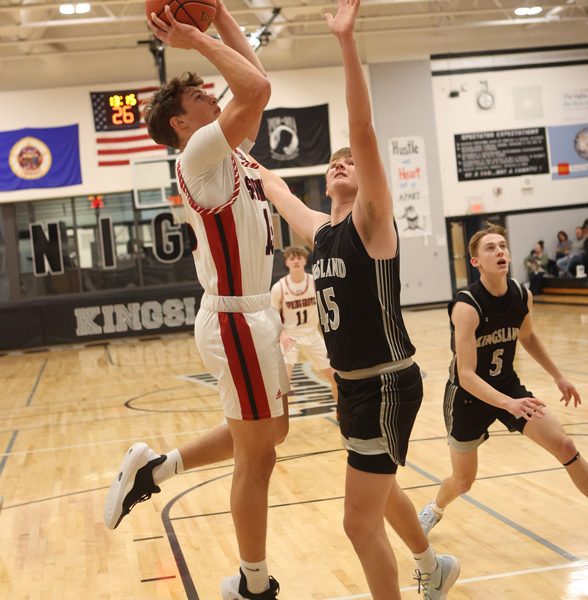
x=226 y=207
x=296 y=302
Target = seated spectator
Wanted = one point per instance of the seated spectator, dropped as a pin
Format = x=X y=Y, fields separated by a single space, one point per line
x=565 y=264
x=580 y=259
x=551 y=268
x=563 y=245
x=537 y=264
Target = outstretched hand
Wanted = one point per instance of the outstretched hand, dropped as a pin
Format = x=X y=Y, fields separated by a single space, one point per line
x=344 y=21
x=175 y=34
x=568 y=392
x=528 y=408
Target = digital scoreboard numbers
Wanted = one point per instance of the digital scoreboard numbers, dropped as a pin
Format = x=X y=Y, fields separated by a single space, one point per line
x=115 y=110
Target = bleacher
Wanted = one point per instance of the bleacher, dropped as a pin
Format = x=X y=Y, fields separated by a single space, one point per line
x=570 y=290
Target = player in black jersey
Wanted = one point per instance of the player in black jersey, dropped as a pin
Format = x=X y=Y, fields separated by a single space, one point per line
x=486 y=322
x=358 y=295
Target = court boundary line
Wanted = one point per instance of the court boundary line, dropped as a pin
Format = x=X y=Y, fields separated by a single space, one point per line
x=40 y=374
x=505 y=520
x=7 y=454
x=190 y=585
x=570 y=565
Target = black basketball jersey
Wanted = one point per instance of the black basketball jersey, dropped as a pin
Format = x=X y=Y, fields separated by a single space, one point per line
x=497 y=333
x=358 y=298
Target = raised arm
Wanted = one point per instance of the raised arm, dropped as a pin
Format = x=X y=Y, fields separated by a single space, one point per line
x=372 y=212
x=233 y=37
x=250 y=87
x=465 y=320
x=533 y=345
x=303 y=220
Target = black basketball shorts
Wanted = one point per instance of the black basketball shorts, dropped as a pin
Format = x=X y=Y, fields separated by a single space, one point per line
x=376 y=416
x=467 y=419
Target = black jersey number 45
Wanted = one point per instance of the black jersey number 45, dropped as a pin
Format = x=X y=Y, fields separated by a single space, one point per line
x=328 y=309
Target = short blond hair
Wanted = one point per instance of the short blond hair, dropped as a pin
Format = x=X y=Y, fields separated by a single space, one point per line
x=475 y=239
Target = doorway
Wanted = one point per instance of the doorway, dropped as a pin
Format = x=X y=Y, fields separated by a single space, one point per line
x=459 y=232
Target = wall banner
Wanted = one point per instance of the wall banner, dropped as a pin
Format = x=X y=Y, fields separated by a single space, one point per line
x=410 y=187
x=293 y=137
x=568 y=145
x=43 y=157
x=505 y=153
x=89 y=317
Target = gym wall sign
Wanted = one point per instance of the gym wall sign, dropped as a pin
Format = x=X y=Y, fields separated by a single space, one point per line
x=134 y=316
x=47 y=240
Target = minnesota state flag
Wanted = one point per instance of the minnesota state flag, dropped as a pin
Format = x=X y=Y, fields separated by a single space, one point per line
x=46 y=157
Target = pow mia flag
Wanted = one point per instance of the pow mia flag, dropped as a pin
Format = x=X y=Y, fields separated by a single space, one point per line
x=293 y=137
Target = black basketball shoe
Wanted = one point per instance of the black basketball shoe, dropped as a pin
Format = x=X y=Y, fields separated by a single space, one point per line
x=235 y=588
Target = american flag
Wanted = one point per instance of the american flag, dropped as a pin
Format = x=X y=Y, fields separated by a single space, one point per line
x=129 y=142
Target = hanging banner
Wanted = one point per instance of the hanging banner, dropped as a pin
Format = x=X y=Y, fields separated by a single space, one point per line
x=410 y=188
x=293 y=137
x=568 y=145
x=46 y=157
x=504 y=153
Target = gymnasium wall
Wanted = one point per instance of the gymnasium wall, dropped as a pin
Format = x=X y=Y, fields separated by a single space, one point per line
x=65 y=106
x=533 y=97
x=409 y=103
x=403 y=108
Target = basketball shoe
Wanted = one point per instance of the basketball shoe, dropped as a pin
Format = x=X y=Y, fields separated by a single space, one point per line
x=235 y=588
x=428 y=518
x=435 y=585
x=133 y=484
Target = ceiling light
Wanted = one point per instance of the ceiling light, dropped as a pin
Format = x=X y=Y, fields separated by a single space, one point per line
x=69 y=9
x=527 y=11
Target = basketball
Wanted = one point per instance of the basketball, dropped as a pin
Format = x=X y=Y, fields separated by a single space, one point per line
x=199 y=13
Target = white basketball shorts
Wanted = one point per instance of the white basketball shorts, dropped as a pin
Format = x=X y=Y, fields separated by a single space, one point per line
x=312 y=345
x=242 y=350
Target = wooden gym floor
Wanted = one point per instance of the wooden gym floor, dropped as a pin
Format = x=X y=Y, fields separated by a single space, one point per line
x=69 y=414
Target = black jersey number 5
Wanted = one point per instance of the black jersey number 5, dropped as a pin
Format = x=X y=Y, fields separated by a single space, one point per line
x=496 y=362
x=328 y=309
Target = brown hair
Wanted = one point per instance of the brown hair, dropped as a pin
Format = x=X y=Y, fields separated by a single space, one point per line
x=165 y=104
x=475 y=239
x=295 y=251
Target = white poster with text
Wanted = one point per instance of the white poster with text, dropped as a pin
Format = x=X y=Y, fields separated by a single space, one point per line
x=410 y=188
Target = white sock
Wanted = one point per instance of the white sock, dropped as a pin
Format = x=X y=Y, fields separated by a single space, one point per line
x=173 y=465
x=256 y=575
x=437 y=509
x=426 y=561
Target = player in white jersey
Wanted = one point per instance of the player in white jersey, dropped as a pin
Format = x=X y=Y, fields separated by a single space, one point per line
x=236 y=330
x=294 y=297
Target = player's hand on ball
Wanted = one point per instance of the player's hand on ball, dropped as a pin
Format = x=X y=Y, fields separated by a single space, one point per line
x=175 y=34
